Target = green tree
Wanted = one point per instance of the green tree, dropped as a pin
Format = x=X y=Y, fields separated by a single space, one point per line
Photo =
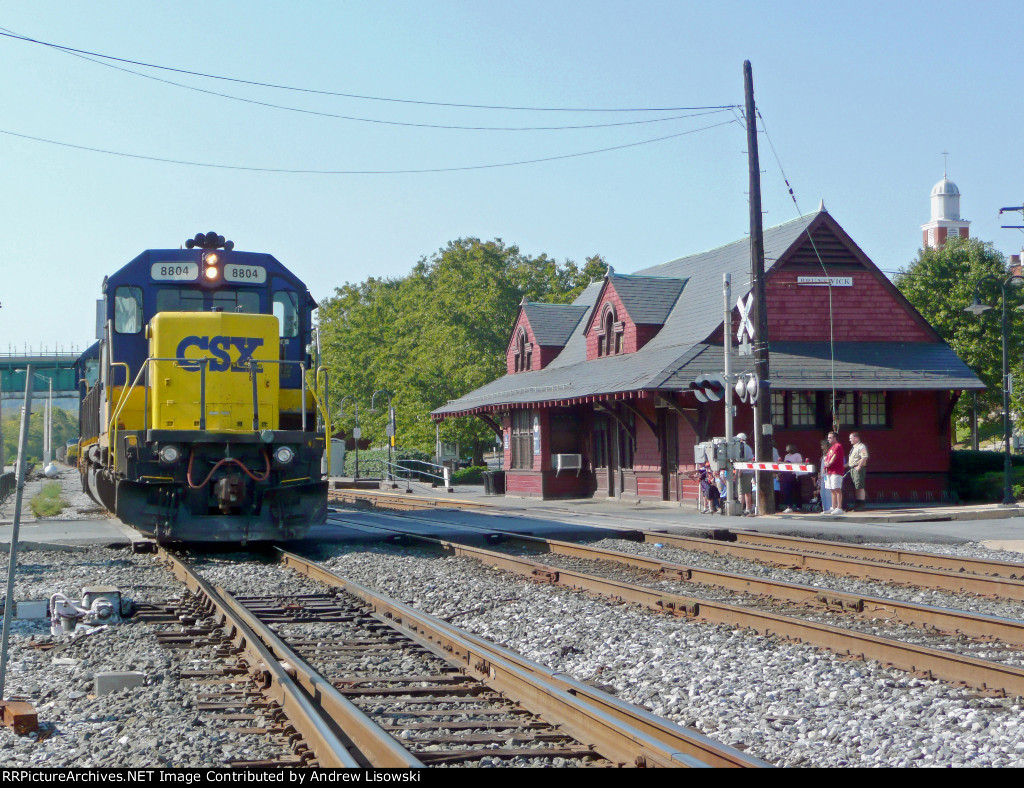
x=941 y=283
x=436 y=334
x=65 y=428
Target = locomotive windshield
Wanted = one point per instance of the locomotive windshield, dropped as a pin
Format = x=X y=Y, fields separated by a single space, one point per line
x=182 y=300
x=128 y=310
x=286 y=309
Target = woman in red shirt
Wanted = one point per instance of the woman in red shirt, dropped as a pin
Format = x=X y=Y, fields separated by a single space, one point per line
x=835 y=462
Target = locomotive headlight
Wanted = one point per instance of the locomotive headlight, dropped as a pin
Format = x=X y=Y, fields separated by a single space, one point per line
x=284 y=455
x=169 y=455
x=210 y=269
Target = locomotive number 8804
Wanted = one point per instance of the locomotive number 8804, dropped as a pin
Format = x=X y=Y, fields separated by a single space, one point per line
x=200 y=417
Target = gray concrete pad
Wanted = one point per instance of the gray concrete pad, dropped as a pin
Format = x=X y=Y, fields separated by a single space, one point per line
x=107 y=532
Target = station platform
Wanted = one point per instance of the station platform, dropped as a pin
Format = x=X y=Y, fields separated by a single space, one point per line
x=941 y=523
x=83 y=523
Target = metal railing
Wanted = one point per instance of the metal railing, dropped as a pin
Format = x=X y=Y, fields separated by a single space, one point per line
x=203 y=364
x=404 y=470
x=407 y=470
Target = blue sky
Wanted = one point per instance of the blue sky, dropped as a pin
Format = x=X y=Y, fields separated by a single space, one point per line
x=859 y=99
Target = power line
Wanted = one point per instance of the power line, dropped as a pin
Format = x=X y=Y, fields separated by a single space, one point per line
x=361 y=97
x=381 y=121
x=375 y=120
x=360 y=172
x=814 y=246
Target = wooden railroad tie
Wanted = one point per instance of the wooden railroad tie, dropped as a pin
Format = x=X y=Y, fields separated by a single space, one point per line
x=19 y=716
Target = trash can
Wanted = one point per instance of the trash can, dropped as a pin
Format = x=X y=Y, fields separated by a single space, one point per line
x=488 y=477
x=498 y=482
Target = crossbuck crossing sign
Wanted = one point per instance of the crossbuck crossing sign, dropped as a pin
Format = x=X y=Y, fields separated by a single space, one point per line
x=746 y=326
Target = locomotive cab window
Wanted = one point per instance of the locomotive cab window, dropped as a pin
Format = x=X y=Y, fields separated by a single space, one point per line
x=247 y=301
x=176 y=300
x=128 y=310
x=286 y=310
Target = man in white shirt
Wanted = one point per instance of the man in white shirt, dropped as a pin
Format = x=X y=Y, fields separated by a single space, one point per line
x=858 y=468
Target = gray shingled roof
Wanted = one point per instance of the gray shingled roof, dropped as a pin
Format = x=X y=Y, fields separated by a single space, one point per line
x=677 y=353
x=648 y=299
x=553 y=324
x=860 y=365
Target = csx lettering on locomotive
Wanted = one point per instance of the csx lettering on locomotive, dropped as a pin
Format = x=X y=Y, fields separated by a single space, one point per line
x=220 y=348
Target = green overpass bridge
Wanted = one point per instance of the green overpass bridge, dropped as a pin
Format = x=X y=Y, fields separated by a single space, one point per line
x=58 y=367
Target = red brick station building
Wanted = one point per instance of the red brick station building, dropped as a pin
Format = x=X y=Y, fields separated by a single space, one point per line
x=608 y=377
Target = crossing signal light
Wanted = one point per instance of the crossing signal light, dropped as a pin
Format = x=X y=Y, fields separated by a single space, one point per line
x=708 y=388
x=747 y=388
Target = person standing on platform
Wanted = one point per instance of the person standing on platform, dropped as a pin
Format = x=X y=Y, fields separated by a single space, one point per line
x=790 y=481
x=745 y=479
x=835 y=466
x=823 y=494
x=858 y=469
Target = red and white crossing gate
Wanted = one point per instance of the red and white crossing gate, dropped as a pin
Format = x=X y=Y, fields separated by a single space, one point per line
x=797 y=467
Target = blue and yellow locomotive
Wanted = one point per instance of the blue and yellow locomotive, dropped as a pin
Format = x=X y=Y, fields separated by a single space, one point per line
x=200 y=418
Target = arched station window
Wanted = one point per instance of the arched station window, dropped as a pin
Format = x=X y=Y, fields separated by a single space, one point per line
x=609 y=334
x=523 y=352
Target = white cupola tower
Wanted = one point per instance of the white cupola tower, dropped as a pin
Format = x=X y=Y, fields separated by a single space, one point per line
x=945 y=222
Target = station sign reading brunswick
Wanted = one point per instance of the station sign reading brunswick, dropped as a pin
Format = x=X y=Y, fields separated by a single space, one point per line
x=825 y=281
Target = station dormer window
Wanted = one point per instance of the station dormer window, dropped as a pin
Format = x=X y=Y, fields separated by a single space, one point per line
x=609 y=333
x=523 y=352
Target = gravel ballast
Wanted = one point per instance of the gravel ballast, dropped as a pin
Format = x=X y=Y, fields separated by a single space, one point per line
x=153 y=725
x=788 y=703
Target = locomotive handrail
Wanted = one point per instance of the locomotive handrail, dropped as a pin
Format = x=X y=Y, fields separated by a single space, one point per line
x=112 y=429
x=122 y=396
x=326 y=410
x=203 y=364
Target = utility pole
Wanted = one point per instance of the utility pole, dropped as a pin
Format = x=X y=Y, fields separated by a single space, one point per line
x=20 y=467
x=763 y=420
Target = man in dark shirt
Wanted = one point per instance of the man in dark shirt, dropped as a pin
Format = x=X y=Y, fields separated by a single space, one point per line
x=835 y=462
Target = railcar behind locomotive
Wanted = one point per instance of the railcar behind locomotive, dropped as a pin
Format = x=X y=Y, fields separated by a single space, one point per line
x=200 y=419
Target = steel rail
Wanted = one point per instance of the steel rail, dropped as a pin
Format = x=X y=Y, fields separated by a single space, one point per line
x=954 y=563
x=952 y=579
x=269 y=655
x=617 y=730
x=923 y=577
x=403 y=502
x=1006 y=630
x=935 y=663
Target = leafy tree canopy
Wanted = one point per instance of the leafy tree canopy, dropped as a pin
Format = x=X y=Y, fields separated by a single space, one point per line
x=65 y=428
x=435 y=335
x=941 y=283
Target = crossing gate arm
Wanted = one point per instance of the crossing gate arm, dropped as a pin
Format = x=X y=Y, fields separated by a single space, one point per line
x=800 y=468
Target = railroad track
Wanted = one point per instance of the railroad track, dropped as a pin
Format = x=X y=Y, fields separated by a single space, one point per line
x=988 y=578
x=324 y=663
x=399 y=502
x=953 y=563
x=983 y=674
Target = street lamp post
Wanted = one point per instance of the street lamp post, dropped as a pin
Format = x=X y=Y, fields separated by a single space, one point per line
x=390 y=430
x=977 y=308
x=356 y=432
x=47 y=421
